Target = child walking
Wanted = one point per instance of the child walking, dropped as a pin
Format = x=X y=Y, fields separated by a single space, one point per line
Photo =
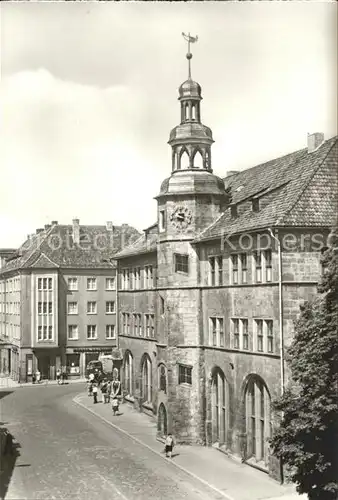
x=169 y=445
x=115 y=405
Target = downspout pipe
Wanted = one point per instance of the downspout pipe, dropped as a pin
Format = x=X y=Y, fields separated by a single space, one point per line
x=280 y=304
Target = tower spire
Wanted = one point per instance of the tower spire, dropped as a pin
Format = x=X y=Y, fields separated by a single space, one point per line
x=190 y=39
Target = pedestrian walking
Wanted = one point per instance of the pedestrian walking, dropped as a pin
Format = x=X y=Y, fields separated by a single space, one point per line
x=58 y=375
x=95 y=393
x=38 y=376
x=115 y=405
x=104 y=390
x=108 y=393
x=169 y=445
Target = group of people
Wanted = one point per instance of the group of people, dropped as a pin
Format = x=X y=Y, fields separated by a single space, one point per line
x=106 y=388
x=61 y=376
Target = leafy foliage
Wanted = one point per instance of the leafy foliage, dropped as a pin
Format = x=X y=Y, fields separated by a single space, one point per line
x=307 y=439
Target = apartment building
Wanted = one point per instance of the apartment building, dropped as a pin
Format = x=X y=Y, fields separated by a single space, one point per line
x=58 y=299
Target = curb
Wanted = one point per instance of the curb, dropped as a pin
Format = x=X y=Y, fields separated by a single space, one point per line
x=220 y=492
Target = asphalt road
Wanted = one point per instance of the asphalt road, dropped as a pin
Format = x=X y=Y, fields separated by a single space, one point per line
x=64 y=452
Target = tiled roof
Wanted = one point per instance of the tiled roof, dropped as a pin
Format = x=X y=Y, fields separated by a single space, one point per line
x=145 y=244
x=297 y=189
x=55 y=247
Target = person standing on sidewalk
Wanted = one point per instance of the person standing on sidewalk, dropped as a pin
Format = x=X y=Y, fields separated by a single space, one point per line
x=38 y=376
x=95 y=393
x=108 y=392
x=169 y=445
x=104 y=390
x=58 y=375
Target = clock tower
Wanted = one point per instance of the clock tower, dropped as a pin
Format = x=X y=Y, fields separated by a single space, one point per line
x=188 y=202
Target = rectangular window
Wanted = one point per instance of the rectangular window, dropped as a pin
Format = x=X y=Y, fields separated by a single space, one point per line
x=148 y=276
x=39 y=283
x=258 y=266
x=110 y=307
x=124 y=323
x=73 y=332
x=110 y=331
x=127 y=323
x=219 y=261
x=91 y=307
x=184 y=374
x=234 y=265
x=268 y=265
x=245 y=333
x=181 y=263
x=91 y=284
x=39 y=332
x=72 y=308
x=50 y=332
x=50 y=284
x=161 y=305
x=216 y=333
x=162 y=220
x=235 y=331
x=269 y=331
x=212 y=267
x=244 y=267
x=110 y=283
x=259 y=331
x=91 y=332
x=137 y=271
x=73 y=283
x=50 y=308
x=213 y=325
x=139 y=324
x=147 y=324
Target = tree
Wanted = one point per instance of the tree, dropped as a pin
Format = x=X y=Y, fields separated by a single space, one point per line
x=307 y=438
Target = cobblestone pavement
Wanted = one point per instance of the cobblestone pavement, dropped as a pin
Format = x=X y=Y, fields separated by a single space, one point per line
x=65 y=452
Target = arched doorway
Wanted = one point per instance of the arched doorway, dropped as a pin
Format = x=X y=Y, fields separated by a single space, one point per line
x=219 y=407
x=258 y=419
x=162 y=426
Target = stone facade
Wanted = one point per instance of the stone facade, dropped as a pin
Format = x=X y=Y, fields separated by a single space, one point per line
x=232 y=260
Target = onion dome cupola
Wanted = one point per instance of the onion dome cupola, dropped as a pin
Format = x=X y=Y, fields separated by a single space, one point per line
x=191 y=140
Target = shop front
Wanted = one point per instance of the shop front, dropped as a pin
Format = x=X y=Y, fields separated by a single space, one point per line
x=46 y=361
x=77 y=359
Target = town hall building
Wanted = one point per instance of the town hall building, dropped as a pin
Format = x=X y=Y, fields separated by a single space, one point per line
x=208 y=295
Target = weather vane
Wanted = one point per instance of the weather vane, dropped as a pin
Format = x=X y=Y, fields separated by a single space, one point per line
x=190 y=39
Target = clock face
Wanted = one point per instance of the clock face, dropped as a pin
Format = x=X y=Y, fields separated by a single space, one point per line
x=181 y=217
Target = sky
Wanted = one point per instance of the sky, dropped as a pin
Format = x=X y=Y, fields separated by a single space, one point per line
x=89 y=96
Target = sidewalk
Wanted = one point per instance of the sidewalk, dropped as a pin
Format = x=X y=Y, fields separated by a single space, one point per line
x=232 y=480
x=6 y=382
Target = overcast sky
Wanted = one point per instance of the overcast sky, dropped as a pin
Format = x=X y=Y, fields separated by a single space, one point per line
x=89 y=96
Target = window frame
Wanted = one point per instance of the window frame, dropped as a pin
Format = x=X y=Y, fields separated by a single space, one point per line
x=181 y=263
x=184 y=374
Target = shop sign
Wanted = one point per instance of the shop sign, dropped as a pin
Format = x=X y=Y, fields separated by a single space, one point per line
x=92 y=349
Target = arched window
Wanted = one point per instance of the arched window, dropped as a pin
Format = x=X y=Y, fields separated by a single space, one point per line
x=162 y=379
x=193 y=112
x=198 y=160
x=187 y=111
x=146 y=379
x=128 y=373
x=185 y=160
x=258 y=419
x=219 y=407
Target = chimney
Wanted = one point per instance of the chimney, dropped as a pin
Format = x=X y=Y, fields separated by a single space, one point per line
x=47 y=226
x=40 y=230
x=109 y=225
x=76 y=231
x=314 y=141
x=231 y=172
x=54 y=222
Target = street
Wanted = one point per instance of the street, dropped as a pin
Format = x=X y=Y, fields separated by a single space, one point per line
x=66 y=452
